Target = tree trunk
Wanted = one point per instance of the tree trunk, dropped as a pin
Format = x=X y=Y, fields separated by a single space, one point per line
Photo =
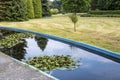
x=75 y=27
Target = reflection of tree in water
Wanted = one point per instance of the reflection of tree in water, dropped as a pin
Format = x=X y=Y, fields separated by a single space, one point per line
x=17 y=52
x=42 y=42
x=6 y=32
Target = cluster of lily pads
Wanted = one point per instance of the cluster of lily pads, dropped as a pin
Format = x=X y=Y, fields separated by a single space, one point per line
x=48 y=63
x=13 y=39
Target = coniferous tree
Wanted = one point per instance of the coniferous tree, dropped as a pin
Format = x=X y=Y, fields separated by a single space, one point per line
x=45 y=8
x=2 y=9
x=30 y=9
x=37 y=8
x=14 y=10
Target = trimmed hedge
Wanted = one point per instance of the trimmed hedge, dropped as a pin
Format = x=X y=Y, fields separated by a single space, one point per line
x=104 y=15
x=99 y=12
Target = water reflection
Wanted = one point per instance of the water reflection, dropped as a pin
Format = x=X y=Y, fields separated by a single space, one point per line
x=41 y=42
x=93 y=66
x=4 y=33
x=17 y=52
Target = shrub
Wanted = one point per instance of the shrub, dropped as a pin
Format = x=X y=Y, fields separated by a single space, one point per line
x=100 y=12
x=95 y=15
x=54 y=11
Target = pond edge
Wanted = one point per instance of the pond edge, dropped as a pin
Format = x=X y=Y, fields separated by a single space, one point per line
x=97 y=50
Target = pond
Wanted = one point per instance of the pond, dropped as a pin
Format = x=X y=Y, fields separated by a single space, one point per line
x=61 y=60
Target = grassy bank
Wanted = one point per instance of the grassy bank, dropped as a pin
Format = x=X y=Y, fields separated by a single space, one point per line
x=102 y=32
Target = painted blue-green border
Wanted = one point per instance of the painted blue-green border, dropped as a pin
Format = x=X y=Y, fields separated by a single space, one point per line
x=100 y=51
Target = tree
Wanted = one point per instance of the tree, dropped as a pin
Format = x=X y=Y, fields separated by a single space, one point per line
x=75 y=6
x=30 y=9
x=56 y=4
x=2 y=9
x=37 y=8
x=45 y=8
x=94 y=4
x=14 y=10
x=74 y=19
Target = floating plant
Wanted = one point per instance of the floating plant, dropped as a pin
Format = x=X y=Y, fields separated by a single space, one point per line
x=48 y=63
x=14 y=39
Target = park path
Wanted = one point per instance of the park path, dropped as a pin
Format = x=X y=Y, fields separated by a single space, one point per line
x=12 y=70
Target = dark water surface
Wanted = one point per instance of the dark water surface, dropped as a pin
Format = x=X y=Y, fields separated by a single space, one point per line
x=92 y=66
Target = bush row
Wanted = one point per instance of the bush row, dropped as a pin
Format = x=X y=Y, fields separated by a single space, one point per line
x=104 y=15
x=100 y=12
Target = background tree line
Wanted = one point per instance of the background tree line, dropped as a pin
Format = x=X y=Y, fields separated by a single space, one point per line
x=21 y=10
x=105 y=4
x=93 y=5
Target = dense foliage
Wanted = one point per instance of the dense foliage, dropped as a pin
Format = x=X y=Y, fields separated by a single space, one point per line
x=20 y=10
x=54 y=11
x=75 y=6
x=37 y=8
x=105 y=4
x=45 y=8
x=105 y=12
x=3 y=6
x=30 y=9
x=56 y=4
x=14 y=10
x=74 y=19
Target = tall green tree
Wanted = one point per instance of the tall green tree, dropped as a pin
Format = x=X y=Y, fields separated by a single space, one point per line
x=37 y=8
x=30 y=9
x=45 y=8
x=75 y=6
x=15 y=10
x=2 y=9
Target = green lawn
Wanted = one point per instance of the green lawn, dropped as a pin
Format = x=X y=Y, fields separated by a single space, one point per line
x=98 y=31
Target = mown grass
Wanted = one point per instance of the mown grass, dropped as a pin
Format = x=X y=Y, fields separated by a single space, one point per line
x=99 y=31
